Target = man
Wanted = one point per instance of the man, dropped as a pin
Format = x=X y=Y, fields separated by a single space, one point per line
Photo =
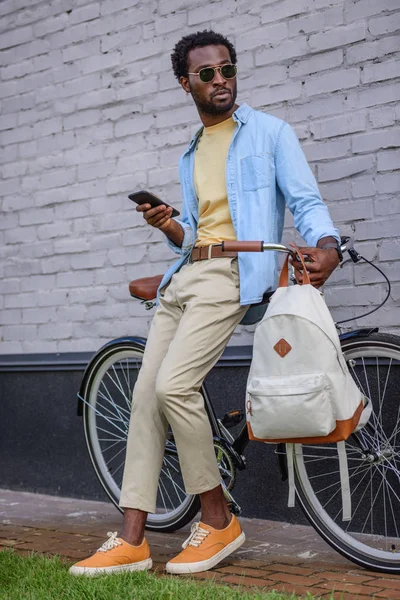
x=236 y=175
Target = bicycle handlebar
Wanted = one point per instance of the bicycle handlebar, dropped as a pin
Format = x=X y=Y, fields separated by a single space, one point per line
x=259 y=246
x=236 y=246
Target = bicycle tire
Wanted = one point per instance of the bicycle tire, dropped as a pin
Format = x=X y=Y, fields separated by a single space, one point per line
x=371 y=539
x=109 y=384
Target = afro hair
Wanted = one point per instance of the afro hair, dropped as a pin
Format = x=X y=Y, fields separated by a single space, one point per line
x=196 y=40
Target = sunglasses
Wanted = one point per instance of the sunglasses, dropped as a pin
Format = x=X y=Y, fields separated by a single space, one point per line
x=207 y=74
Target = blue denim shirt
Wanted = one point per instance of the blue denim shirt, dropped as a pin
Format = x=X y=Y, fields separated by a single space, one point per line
x=265 y=168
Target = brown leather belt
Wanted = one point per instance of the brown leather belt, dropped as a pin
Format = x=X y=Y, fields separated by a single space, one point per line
x=206 y=252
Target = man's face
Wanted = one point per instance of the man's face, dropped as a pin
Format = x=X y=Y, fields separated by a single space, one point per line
x=219 y=95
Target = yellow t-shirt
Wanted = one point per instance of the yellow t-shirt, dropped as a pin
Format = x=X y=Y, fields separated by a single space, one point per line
x=215 y=223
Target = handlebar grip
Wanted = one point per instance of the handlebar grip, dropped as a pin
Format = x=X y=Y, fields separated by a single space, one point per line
x=235 y=246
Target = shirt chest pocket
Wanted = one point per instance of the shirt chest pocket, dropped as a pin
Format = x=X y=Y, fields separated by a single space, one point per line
x=255 y=172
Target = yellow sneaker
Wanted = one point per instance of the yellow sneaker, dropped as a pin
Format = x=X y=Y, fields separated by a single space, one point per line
x=115 y=556
x=206 y=547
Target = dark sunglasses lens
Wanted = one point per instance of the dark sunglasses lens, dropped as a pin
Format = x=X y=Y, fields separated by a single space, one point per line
x=228 y=71
x=206 y=75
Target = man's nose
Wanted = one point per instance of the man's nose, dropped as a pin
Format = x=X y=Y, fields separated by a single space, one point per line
x=218 y=79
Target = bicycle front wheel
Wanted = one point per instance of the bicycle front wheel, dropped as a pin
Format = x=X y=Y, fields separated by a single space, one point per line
x=107 y=408
x=372 y=537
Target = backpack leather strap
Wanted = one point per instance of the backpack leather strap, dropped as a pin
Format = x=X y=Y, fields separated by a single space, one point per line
x=284 y=277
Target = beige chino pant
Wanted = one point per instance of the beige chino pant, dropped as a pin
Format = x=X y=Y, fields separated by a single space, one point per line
x=197 y=313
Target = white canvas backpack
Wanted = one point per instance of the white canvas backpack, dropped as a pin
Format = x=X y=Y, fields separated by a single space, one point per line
x=299 y=388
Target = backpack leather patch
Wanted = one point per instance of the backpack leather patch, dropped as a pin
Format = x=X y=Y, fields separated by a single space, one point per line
x=282 y=347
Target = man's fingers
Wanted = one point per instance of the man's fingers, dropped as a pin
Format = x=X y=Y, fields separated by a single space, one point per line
x=311 y=267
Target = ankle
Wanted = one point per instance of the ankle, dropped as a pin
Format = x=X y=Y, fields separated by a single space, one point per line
x=217 y=522
x=132 y=540
x=133 y=526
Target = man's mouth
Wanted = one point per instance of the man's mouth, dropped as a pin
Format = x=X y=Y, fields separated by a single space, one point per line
x=221 y=93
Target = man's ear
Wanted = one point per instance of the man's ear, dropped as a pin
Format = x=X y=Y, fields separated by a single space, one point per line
x=184 y=81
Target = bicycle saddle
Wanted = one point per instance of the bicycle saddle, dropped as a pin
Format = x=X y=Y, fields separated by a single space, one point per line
x=145 y=288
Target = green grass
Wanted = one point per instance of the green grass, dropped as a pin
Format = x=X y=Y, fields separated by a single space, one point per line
x=37 y=577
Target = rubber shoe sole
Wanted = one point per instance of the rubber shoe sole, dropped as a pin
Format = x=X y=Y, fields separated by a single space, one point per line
x=205 y=565
x=143 y=565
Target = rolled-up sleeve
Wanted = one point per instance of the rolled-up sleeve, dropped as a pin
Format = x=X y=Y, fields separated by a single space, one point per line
x=188 y=238
x=299 y=187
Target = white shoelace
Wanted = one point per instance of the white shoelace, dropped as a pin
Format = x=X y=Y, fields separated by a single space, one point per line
x=196 y=537
x=111 y=543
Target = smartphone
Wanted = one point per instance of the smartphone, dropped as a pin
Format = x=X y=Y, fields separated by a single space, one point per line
x=144 y=197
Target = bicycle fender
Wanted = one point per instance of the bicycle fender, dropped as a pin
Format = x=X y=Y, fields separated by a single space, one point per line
x=364 y=332
x=137 y=340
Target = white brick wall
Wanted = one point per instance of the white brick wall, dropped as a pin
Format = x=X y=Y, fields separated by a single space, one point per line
x=90 y=111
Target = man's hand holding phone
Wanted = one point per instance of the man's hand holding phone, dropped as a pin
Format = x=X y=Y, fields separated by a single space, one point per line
x=157 y=216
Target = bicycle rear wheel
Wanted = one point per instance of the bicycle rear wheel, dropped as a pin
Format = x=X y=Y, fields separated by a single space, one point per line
x=372 y=537
x=108 y=395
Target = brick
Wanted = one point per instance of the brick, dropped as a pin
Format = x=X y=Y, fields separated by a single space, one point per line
x=371 y=50
x=285 y=9
x=341 y=125
x=172 y=23
x=286 y=50
x=134 y=125
x=388 y=183
x=215 y=11
x=321 y=21
x=36 y=216
x=362 y=187
x=18 y=70
x=46 y=26
x=38 y=315
x=14 y=136
x=10 y=286
x=366 y=142
x=355 y=11
x=347 y=212
x=314 y=64
x=389 y=69
x=389 y=160
x=20 y=235
x=92 y=260
x=277 y=93
x=84 y=13
x=385 y=24
x=384 y=116
x=386 y=206
x=49 y=331
x=374 y=96
x=54 y=230
x=75 y=279
x=344 y=168
x=47 y=127
x=390 y=250
x=340 y=36
x=336 y=190
x=261 y=36
x=38 y=282
x=386 y=228
x=20 y=332
x=331 y=105
x=51 y=298
x=316 y=151
x=82 y=119
x=8 y=317
x=15 y=37
x=119 y=256
x=330 y=82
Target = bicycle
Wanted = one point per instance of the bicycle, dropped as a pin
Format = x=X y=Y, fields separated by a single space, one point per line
x=371 y=538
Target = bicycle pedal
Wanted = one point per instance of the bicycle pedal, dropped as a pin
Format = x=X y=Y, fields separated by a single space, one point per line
x=234 y=508
x=232 y=418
